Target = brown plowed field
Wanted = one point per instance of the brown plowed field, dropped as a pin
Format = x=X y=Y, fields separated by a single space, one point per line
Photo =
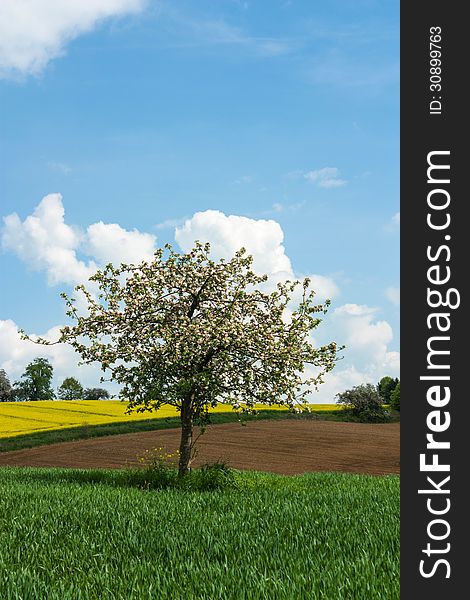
x=287 y=447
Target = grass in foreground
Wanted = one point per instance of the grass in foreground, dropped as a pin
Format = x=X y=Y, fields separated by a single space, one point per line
x=71 y=534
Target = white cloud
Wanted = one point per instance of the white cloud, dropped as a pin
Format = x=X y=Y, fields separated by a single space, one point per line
x=361 y=331
x=109 y=242
x=331 y=183
x=16 y=353
x=367 y=357
x=327 y=177
x=356 y=310
x=227 y=234
x=46 y=243
x=33 y=32
x=393 y=294
x=366 y=339
x=396 y=219
x=262 y=238
x=325 y=287
x=390 y=364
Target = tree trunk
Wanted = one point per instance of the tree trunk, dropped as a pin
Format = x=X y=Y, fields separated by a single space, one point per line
x=186 y=437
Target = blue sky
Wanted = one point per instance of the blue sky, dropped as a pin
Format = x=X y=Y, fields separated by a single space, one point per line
x=144 y=114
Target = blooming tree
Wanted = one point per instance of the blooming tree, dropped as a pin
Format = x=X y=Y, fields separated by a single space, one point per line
x=191 y=332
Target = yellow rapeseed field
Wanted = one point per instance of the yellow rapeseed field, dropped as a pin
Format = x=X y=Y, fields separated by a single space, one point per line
x=20 y=418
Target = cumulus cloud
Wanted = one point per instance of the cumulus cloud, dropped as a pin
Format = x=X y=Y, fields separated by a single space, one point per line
x=366 y=357
x=361 y=330
x=396 y=219
x=16 y=353
x=327 y=177
x=366 y=338
x=33 y=32
x=109 y=242
x=45 y=242
x=262 y=238
x=325 y=287
x=227 y=234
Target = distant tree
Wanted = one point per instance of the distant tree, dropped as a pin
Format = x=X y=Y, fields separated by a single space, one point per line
x=70 y=389
x=385 y=388
x=95 y=394
x=395 y=397
x=5 y=387
x=19 y=392
x=364 y=403
x=35 y=383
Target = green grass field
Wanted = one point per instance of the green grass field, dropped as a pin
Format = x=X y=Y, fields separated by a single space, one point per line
x=76 y=535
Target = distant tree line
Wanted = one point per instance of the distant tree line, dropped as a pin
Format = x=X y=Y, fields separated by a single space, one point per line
x=36 y=384
x=364 y=401
x=389 y=390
